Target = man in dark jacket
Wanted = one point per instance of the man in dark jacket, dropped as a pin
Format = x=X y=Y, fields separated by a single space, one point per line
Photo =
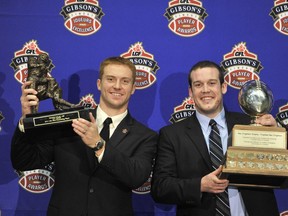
x=92 y=176
x=183 y=172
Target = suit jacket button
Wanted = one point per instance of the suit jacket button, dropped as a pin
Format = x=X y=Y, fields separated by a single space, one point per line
x=91 y=190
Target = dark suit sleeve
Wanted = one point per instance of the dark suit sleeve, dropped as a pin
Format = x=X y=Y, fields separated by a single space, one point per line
x=259 y=201
x=167 y=186
x=29 y=151
x=130 y=161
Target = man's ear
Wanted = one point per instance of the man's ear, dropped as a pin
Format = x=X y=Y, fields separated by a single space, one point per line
x=133 y=88
x=190 y=92
x=98 y=83
x=224 y=88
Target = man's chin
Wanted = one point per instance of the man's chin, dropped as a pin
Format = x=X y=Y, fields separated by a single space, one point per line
x=118 y=105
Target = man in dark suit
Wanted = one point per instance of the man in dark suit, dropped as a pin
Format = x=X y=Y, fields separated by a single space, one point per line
x=183 y=172
x=92 y=176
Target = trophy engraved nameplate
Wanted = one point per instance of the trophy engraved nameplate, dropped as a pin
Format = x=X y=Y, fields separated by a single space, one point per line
x=259 y=137
x=39 y=68
x=52 y=118
x=257 y=155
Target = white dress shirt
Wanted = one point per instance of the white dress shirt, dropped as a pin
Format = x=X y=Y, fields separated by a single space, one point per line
x=101 y=117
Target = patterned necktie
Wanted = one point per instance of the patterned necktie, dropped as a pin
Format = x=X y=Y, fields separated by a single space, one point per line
x=105 y=130
x=216 y=154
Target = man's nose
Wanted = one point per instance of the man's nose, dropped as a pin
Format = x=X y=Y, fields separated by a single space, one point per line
x=205 y=88
x=117 y=84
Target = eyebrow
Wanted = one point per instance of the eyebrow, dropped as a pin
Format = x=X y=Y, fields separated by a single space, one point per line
x=202 y=81
x=117 y=77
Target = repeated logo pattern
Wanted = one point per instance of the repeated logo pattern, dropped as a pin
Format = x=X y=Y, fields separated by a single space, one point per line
x=20 y=61
x=186 y=17
x=145 y=188
x=279 y=14
x=38 y=180
x=145 y=65
x=82 y=17
x=240 y=66
x=184 y=110
x=282 y=116
x=88 y=101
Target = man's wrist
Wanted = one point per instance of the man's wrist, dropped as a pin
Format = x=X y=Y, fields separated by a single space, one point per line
x=21 y=125
x=99 y=152
x=98 y=145
x=21 y=120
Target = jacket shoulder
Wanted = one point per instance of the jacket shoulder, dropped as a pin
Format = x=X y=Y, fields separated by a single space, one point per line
x=141 y=127
x=238 y=118
x=178 y=125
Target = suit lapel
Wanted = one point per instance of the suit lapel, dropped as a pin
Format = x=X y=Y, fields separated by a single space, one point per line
x=230 y=121
x=122 y=130
x=194 y=132
x=120 y=133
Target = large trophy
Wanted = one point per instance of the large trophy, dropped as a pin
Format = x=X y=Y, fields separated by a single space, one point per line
x=257 y=155
x=47 y=88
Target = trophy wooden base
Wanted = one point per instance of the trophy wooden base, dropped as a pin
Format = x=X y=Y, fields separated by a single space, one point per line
x=256 y=167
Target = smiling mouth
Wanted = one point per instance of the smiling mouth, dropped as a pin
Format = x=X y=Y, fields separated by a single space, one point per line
x=116 y=94
x=206 y=98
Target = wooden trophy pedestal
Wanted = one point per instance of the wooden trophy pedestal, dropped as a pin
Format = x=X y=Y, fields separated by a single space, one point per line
x=263 y=164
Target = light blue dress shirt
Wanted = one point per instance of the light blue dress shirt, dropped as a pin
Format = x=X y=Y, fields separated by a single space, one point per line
x=237 y=206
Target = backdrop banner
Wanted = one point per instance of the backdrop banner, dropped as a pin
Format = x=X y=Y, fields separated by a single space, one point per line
x=163 y=39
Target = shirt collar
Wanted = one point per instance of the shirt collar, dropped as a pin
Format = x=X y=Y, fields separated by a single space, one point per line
x=204 y=120
x=101 y=116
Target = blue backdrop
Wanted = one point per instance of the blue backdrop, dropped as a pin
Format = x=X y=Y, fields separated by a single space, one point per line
x=163 y=39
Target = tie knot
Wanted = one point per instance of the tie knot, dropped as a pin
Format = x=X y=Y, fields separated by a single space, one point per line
x=105 y=132
x=107 y=121
x=212 y=122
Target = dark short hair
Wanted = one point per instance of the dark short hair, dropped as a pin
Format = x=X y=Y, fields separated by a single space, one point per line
x=120 y=61
x=204 y=64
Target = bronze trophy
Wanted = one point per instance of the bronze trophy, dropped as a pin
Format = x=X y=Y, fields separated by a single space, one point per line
x=257 y=155
x=47 y=88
